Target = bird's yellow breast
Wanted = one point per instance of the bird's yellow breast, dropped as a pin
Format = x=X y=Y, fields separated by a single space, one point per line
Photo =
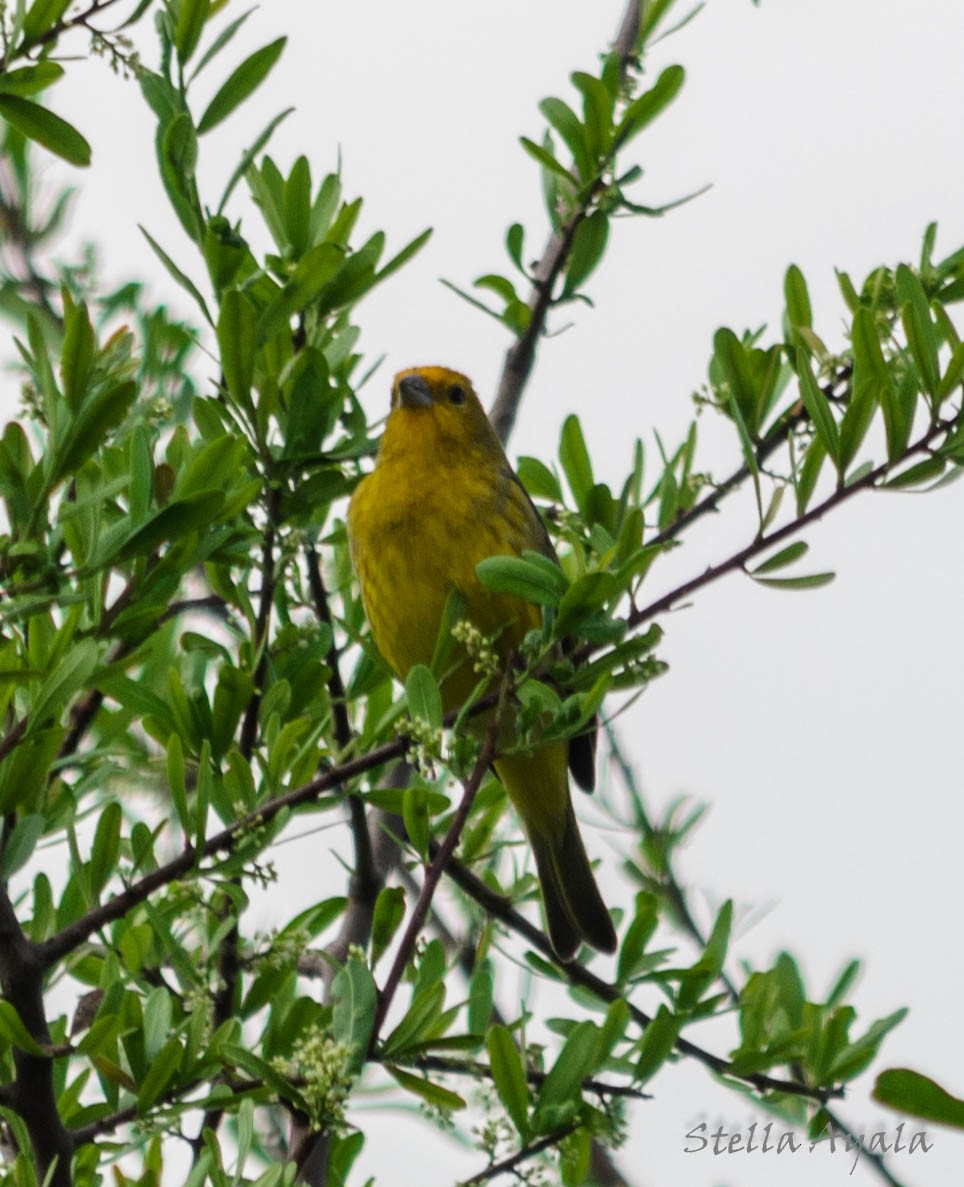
x=419 y=524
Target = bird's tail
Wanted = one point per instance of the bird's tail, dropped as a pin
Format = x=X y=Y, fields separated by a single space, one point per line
x=575 y=910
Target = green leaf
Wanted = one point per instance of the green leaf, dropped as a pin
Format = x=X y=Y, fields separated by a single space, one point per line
x=237 y=342
x=21 y=843
x=433 y=1094
x=418 y=1022
x=223 y=38
x=871 y=368
x=77 y=353
x=544 y=157
x=28 y=80
x=245 y=79
x=952 y=376
x=249 y=154
x=41 y=17
x=71 y=674
x=561 y=1093
x=926 y=471
x=415 y=818
x=814 y=581
x=818 y=406
x=531 y=576
x=786 y=556
x=313 y=271
x=538 y=479
x=424 y=698
x=386 y=919
x=172 y=521
x=907 y=1091
x=176 y=782
x=638 y=935
x=587 y=594
x=918 y=326
x=41 y=125
x=160 y=1074
x=14 y=1031
x=575 y=461
x=408 y=252
x=191 y=16
x=509 y=1076
x=588 y=246
x=646 y=107
x=658 y=1041
x=799 y=312
x=565 y=121
x=180 y=277
x=354 y=998
x=106 y=847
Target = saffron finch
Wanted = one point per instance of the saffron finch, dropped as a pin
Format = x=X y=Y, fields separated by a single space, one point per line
x=441 y=498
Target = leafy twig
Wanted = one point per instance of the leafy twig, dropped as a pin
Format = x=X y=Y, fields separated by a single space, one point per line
x=576 y=974
x=523 y=1155
x=440 y=860
x=520 y=357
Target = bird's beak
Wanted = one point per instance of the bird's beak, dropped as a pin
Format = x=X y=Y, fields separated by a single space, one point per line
x=414 y=392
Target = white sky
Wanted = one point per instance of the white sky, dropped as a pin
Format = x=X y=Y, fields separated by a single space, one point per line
x=823 y=727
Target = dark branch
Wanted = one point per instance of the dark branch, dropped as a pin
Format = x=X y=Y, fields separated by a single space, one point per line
x=527 y=1152
x=441 y=857
x=33 y=1095
x=520 y=356
x=576 y=974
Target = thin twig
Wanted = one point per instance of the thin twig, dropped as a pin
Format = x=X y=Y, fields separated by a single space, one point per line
x=479 y=1070
x=440 y=860
x=57 y=30
x=576 y=974
x=365 y=880
x=520 y=357
x=527 y=1152
x=763 y=543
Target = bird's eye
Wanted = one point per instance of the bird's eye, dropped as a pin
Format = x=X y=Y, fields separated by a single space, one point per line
x=456 y=394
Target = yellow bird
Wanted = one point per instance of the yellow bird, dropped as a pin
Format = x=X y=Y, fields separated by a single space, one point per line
x=441 y=498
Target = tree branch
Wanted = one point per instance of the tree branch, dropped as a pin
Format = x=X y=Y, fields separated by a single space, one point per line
x=527 y=1152
x=520 y=357
x=440 y=860
x=762 y=543
x=33 y=1095
x=576 y=974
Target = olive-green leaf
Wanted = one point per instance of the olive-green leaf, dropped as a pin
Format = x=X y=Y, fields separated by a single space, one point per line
x=433 y=1094
x=13 y=1030
x=30 y=79
x=532 y=577
x=41 y=125
x=574 y=457
x=160 y=1074
x=190 y=24
x=237 y=324
x=42 y=15
x=588 y=246
x=354 y=997
x=386 y=918
x=246 y=79
x=657 y=1044
x=908 y=1091
x=818 y=406
x=786 y=556
x=509 y=1076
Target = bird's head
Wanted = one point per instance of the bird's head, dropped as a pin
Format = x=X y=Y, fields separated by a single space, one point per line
x=436 y=401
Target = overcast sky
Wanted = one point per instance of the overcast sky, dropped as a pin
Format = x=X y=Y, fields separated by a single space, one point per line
x=823 y=728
